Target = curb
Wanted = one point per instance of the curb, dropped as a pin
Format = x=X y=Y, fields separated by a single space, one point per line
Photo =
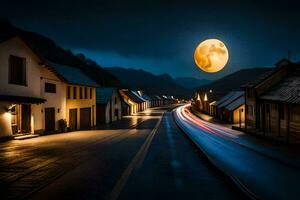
x=243 y=188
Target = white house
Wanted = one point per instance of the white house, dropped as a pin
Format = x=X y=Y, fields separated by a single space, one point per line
x=109 y=106
x=32 y=97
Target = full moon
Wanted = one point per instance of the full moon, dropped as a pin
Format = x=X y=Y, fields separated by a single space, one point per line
x=211 y=55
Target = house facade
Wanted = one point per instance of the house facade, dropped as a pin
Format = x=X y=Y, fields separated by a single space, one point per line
x=30 y=93
x=80 y=96
x=109 y=105
x=129 y=106
x=203 y=101
x=273 y=103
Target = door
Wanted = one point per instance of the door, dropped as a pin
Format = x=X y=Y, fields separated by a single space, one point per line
x=25 y=118
x=85 y=118
x=49 y=119
x=73 y=119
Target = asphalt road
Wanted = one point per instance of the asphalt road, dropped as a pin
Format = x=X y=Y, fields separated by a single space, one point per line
x=141 y=157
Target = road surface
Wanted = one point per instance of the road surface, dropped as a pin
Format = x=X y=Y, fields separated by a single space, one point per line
x=261 y=174
x=141 y=157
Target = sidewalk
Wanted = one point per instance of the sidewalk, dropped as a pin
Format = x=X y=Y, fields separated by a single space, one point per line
x=289 y=155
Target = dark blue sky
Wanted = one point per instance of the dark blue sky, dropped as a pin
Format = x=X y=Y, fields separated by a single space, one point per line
x=160 y=36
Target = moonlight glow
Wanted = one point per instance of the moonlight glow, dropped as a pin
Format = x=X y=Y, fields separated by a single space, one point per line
x=211 y=55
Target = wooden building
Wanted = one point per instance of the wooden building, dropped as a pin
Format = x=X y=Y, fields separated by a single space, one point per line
x=273 y=103
x=231 y=108
x=203 y=101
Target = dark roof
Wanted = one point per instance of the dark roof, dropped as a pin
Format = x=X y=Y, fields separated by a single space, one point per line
x=236 y=103
x=146 y=97
x=21 y=99
x=139 y=95
x=72 y=75
x=223 y=99
x=260 y=78
x=140 y=99
x=234 y=95
x=132 y=96
x=288 y=89
x=279 y=65
x=104 y=95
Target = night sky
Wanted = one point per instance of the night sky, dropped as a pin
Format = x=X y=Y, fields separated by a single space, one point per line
x=160 y=36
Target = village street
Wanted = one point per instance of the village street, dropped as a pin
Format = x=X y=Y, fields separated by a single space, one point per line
x=139 y=157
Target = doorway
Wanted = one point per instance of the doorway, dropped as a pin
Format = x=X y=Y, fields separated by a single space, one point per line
x=73 y=119
x=25 y=118
x=49 y=119
x=85 y=118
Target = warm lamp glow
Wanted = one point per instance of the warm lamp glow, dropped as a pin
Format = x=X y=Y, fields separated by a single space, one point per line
x=211 y=55
x=205 y=97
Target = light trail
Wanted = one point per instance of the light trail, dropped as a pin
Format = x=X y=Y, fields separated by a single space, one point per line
x=208 y=127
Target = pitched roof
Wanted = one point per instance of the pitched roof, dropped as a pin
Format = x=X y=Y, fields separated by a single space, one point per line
x=279 y=65
x=236 y=103
x=72 y=75
x=233 y=97
x=104 y=95
x=146 y=97
x=138 y=95
x=224 y=98
x=132 y=96
x=288 y=89
x=139 y=98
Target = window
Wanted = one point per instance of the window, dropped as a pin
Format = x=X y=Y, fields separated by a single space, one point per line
x=281 y=111
x=69 y=92
x=50 y=88
x=17 y=70
x=80 y=92
x=74 y=92
x=91 y=93
x=85 y=93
